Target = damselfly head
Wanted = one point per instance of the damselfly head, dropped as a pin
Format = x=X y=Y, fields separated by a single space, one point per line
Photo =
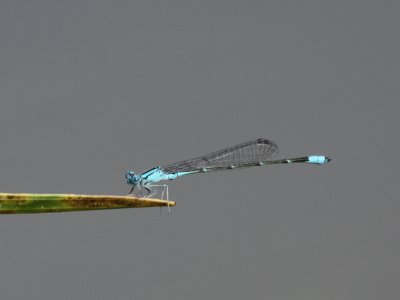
x=131 y=178
x=129 y=175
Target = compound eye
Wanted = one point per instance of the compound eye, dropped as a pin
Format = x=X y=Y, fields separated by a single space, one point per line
x=129 y=175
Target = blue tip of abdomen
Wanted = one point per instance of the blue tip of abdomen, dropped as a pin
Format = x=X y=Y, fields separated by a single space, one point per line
x=318 y=159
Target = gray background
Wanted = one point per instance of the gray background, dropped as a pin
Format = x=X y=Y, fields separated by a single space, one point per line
x=89 y=89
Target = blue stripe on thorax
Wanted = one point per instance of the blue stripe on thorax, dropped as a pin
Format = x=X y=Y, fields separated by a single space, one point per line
x=158 y=174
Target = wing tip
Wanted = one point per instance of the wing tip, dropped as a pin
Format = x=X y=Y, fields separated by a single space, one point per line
x=268 y=142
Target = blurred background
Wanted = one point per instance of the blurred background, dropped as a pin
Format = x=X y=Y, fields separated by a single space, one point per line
x=90 y=89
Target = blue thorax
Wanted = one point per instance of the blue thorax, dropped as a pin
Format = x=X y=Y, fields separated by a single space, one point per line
x=153 y=175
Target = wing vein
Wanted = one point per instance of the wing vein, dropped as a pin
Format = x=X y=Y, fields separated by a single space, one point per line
x=242 y=155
